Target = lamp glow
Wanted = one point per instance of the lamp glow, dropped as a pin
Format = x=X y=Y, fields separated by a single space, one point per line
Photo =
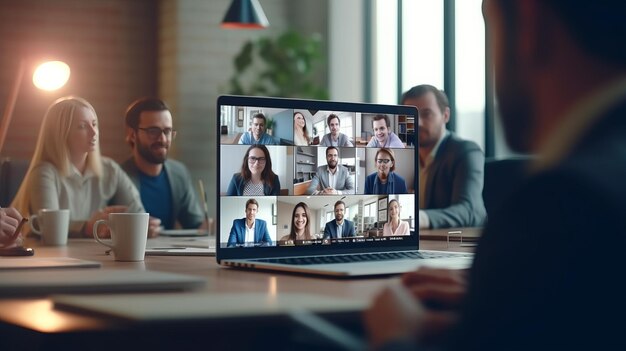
x=51 y=75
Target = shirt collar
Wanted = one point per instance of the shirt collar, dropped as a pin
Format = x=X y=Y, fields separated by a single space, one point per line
x=578 y=119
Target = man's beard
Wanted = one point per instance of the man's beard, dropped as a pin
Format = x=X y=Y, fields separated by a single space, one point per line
x=147 y=154
x=332 y=164
x=339 y=218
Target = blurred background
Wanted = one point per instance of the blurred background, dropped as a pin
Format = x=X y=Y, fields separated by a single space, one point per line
x=348 y=50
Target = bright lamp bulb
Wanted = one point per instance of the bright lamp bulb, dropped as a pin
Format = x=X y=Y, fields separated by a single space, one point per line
x=51 y=75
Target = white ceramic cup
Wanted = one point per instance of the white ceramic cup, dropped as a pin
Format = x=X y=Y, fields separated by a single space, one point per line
x=52 y=225
x=129 y=232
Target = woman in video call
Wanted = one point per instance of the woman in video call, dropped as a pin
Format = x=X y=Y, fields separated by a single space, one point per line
x=67 y=171
x=256 y=176
x=385 y=180
x=300 y=224
x=300 y=132
x=395 y=226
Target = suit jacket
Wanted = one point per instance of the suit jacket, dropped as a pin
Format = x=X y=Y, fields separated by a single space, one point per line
x=545 y=270
x=187 y=210
x=343 y=141
x=345 y=183
x=330 y=230
x=454 y=186
x=238 y=233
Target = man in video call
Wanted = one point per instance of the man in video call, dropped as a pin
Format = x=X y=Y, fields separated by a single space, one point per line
x=383 y=136
x=451 y=170
x=332 y=179
x=256 y=134
x=249 y=231
x=335 y=137
x=165 y=185
x=340 y=227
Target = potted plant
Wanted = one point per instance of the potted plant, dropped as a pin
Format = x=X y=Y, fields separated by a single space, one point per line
x=269 y=125
x=281 y=67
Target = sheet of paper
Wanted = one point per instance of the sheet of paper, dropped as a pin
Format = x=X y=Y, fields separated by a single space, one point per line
x=154 y=307
x=29 y=262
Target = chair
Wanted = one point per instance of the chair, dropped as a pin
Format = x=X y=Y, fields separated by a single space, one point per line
x=502 y=178
x=12 y=173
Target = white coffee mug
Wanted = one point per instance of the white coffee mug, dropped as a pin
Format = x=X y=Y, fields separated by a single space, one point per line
x=129 y=232
x=52 y=225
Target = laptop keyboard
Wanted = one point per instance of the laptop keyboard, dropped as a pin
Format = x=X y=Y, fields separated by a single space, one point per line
x=381 y=256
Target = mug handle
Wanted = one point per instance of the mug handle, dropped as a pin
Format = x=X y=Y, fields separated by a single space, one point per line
x=35 y=229
x=95 y=232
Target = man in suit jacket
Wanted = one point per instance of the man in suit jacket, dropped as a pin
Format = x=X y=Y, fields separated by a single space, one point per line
x=340 y=227
x=335 y=137
x=332 y=179
x=451 y=170
x=547 y=266
x=249 y=231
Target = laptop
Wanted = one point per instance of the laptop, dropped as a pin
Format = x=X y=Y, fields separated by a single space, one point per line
x=272 y=212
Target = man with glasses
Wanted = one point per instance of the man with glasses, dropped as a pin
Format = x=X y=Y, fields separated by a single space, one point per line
x=165 y=185
x=451 y=170
x=332 y=179
x=256 y=134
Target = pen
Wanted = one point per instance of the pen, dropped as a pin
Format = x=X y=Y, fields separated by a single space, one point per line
x=18 y=229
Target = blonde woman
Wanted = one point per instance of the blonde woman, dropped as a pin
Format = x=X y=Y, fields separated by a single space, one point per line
x=67 y=171
x=395 y=226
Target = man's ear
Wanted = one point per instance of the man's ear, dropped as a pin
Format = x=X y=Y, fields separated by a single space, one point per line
x=131 y=136
x=446 y=115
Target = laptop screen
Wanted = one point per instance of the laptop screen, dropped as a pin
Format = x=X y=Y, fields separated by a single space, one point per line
x=300 y=177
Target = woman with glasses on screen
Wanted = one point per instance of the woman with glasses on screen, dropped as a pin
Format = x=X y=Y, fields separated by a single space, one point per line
x=300 y=225
x=300 y=132
x=256 y=176
x=385 y=180
x=395 y=226
x=68 y=172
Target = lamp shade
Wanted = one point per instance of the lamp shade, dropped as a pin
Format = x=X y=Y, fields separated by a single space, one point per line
x=245 y=14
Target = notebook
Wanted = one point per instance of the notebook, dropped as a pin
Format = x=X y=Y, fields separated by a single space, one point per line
x=273 y=212
x=66 y=281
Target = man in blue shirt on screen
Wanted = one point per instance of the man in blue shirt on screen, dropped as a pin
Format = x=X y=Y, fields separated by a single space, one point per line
x=256 y=134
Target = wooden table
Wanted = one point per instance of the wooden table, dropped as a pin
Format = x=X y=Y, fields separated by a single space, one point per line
x=35 y=324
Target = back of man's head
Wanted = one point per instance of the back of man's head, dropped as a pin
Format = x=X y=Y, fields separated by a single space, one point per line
x=598 y=27
x=423 y=89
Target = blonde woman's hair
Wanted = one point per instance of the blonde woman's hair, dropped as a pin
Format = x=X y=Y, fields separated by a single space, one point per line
x=52 y=146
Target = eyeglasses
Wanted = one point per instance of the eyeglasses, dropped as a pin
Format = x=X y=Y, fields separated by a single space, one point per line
x=155 y=132
x=383 y=160
x=253 y=160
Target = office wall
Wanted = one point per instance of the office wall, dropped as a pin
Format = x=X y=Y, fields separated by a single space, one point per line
x=110 y=47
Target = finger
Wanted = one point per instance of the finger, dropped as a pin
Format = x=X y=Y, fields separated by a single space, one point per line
x=154 y=221
x=434 y=275
x=13 y=213
x=439 y=297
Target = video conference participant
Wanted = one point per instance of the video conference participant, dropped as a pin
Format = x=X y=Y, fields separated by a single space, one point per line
x=339 y=227
x=395 y=226
x=383 y=136
x=385 y=180
x=335 y=137
x=452 y=169
x=249 y=231
x=300 y=225
x=165 y=185
x=332 y=179
x=256 y=134
x=256 y=176
x=68 y=171
x=300 y=132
